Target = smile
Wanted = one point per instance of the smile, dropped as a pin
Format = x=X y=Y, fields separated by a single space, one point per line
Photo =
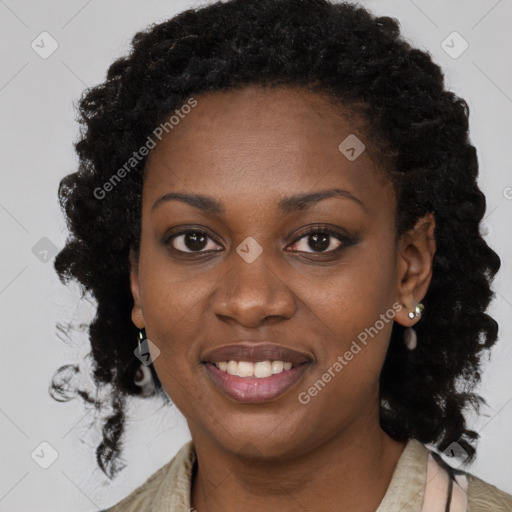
x=260 y=369
x=255 y=372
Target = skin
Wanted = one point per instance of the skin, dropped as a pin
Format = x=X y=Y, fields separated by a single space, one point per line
x=249 y=149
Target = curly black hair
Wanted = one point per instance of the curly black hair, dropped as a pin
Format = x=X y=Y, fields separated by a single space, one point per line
x=362 y=63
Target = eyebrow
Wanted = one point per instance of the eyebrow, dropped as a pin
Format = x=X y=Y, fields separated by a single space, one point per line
x=290 y=204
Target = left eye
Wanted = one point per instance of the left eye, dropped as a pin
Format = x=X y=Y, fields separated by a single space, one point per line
x=320 y=240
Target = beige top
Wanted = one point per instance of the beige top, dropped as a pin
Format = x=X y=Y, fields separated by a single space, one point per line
x=419 y=484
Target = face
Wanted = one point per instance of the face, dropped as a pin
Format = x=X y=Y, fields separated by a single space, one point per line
x=267 y=270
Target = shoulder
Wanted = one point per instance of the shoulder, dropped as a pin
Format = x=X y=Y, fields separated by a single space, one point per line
x=480 y=495
x=165 y=479
x=484 y=497
x=419 y=471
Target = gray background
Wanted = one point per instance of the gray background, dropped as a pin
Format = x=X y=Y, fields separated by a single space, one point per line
x=38 y=129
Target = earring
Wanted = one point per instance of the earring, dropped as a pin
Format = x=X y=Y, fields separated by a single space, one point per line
x=143 y=377
x=141 y=338
x=144 y=380
x=417 y=311
x=410 y=338
x=144 y=356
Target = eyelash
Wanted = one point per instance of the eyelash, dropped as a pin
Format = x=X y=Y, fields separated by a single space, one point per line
x=346 y=241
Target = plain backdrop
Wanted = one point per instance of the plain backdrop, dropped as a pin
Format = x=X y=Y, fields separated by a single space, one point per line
x=37 y=131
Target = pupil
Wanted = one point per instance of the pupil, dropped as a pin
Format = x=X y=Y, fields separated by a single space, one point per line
x=195 y=241
x=323 y=238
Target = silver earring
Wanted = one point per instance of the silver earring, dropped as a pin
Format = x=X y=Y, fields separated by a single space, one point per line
x=417 y=311
x=144 y=380
x=141 y=338
x=410 y=338
x=143 y=377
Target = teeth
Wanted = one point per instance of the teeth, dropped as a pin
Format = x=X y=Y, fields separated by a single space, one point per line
x=277 y=366
x=232 y=367
x=245 y=369
x=260 y=370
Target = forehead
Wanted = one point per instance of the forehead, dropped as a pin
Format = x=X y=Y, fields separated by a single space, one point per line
x=263 y=143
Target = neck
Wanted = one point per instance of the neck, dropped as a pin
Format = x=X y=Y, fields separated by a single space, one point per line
x=353 y=469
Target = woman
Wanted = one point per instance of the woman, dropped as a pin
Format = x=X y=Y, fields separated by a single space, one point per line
x=277 y=212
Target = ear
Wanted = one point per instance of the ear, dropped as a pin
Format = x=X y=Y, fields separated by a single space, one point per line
x=137 y=314
x=416 y=250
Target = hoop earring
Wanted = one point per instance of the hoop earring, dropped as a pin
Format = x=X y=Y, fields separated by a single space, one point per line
x=410 y=337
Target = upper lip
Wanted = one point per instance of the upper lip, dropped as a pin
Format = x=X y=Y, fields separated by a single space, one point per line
x=254 y=352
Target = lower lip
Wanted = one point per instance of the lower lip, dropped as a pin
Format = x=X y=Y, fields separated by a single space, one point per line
x=253 y=390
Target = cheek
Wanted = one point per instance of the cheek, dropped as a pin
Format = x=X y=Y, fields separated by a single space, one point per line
x=357 y=293
x=173 y=318
x=356 y=314
x=346 y=378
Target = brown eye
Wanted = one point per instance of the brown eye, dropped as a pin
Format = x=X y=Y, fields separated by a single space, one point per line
x=191 y=241
x=319 y=240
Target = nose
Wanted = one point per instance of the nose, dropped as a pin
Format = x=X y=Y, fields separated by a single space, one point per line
x=252 y=293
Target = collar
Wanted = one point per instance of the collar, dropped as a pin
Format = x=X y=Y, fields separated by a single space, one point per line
x=170 y=487
x=405 y=491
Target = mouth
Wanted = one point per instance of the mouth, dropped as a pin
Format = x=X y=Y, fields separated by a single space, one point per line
x=255 y=373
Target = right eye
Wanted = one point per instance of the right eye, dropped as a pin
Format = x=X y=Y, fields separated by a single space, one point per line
x=191 y=241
